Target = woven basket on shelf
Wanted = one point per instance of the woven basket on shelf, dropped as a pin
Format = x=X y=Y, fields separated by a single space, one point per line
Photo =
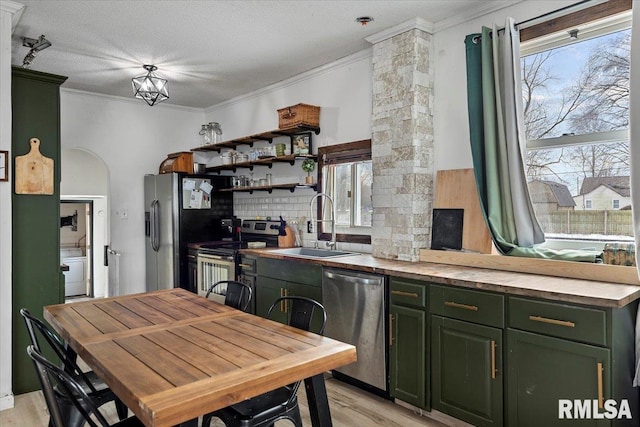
x=299 y=114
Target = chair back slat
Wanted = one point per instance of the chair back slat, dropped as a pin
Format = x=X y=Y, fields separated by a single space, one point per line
x=301 y=313
x=237 y=294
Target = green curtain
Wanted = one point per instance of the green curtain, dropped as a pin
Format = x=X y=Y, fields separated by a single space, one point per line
x=496 y=126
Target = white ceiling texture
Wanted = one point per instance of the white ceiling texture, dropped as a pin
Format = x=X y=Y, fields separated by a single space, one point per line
x=211 y=51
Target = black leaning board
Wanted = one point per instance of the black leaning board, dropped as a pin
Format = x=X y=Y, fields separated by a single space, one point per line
x=446 y=229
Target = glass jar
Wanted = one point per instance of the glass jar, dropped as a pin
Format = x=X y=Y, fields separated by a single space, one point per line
x=205 y=135
x=215 y=131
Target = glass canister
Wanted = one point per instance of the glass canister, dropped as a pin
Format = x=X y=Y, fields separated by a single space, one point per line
x=215 y=131
x=205 y=135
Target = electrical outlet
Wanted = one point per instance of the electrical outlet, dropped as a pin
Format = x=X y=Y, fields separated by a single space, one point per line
x=124 y=214
x=309 y=227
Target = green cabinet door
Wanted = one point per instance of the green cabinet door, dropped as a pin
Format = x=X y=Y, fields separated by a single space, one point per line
x=467 y=375
x=407 y=355
x=543 y=370
x=267 y=291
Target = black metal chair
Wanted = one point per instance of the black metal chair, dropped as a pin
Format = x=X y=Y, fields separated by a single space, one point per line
x=282 y=403
x=92 y=385
x=237 y=294
x=55 y=381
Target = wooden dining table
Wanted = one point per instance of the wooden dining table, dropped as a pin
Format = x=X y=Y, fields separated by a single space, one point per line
x=171 y=355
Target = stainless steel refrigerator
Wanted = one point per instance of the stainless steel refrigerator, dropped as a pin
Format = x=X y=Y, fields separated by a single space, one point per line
x=180 y=209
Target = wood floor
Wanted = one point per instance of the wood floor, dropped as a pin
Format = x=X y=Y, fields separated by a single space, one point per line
x=350 y=407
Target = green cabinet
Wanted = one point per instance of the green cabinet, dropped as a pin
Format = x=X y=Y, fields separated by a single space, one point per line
x=276 y=278
x=37 y=279
x=408 y=361
x=466 y=354
x=543 y=370
x=566 y=351
x=467 y=373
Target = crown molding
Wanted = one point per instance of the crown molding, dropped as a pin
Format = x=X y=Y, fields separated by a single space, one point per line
x=340 y=63
x=128 y=100
x=15 y=9
x=483 y=8
x=415 y=23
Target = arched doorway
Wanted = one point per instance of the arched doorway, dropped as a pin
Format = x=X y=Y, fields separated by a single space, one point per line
x=85 y=187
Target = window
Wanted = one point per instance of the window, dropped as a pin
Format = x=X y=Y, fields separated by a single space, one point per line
x=346 y=174
x=576 y=105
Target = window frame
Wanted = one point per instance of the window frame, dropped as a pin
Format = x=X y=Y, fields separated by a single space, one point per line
x=334 y=154
x=594 y=21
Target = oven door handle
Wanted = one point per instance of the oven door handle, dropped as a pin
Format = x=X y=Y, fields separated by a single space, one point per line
x=216 y=257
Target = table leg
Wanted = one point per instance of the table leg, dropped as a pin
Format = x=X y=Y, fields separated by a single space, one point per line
x=318 y=401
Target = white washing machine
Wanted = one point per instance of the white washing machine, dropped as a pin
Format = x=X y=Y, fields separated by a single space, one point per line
x=75 y=280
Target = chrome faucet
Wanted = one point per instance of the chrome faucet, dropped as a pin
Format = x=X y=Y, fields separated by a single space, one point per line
x=332 y=243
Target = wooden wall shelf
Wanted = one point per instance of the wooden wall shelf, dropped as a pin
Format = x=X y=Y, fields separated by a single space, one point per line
x=268 y=161
x=264 y=136
x=291 y=187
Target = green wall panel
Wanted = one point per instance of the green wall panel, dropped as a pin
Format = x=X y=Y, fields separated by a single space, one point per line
x=37 y=280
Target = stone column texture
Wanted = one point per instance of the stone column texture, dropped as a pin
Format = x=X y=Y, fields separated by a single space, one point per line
x=402 y=145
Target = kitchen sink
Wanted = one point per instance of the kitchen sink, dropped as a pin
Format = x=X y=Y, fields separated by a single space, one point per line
x=312 y=253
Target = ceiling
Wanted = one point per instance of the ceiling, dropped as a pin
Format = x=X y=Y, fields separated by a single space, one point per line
x=211 y=51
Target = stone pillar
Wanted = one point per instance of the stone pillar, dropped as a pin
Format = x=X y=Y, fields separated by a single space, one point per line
x=402 y=145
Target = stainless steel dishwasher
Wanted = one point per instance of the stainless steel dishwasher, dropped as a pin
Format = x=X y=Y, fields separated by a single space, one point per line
x=355 y=305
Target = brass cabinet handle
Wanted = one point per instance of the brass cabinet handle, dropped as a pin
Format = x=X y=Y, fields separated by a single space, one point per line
x=552 y=321
x=282 y=301
x=600 y=390
x=390 y=330
x=405 y=294
x=463 y=306
x=493 y=360
x=245 y=265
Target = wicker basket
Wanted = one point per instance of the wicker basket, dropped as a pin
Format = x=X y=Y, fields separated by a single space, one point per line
x=299 y=114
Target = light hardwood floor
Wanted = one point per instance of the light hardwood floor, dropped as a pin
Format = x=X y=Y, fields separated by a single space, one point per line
x=350 y=407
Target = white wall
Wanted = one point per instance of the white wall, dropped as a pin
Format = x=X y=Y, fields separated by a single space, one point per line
x=451 y=133
x=8 y=11
x=343 y=91
x=132 y=139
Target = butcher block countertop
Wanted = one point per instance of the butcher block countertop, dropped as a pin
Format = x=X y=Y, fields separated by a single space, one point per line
x=594 y=293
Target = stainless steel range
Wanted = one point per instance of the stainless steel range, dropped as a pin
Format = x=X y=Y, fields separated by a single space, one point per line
x=212 y=262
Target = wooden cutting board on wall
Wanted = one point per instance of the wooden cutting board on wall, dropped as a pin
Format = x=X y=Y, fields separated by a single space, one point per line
x=456 y=188
x=33 y=171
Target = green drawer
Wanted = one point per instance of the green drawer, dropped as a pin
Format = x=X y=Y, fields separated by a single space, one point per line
x=480 y=307
x=576 y=323
x=408 y=292
x=247 y=264
x=291 y=271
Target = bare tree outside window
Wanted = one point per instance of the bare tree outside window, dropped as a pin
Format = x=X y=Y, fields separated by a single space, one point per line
x=576 y=96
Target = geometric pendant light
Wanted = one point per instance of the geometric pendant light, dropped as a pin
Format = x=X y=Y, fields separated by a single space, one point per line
x=150 y=87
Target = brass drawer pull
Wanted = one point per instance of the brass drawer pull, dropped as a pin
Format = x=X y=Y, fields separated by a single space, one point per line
x=600 y=391
x=245 y=265
x=463 y=306
x=553 y=321
x=493 y=360
x=405 y=294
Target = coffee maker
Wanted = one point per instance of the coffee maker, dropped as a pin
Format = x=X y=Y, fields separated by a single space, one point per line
x=230 y=229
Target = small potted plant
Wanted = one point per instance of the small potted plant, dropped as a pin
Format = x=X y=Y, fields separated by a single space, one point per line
x=308 y=165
